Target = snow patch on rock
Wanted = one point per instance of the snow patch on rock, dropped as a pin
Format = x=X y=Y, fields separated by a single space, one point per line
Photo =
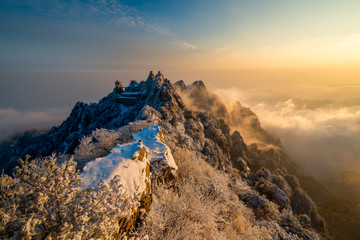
x=129 y=161
x=160 y=154
x=132 y=163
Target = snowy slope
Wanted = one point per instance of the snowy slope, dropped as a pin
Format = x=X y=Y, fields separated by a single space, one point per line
x=131 y=162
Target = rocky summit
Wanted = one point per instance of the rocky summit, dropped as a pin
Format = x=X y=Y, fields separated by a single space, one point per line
x=120 y=107
x=188 y=167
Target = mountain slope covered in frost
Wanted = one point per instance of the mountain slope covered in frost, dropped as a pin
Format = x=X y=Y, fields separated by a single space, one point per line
x=174 y=162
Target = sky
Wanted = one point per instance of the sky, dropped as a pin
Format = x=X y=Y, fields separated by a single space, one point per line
x=55 y=53
x=246 y=43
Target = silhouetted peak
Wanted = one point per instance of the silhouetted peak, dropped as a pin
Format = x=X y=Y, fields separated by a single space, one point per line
x=151 y=76
x=199 y=84
x=237 y=104
x=159 y=75
x=180 y=85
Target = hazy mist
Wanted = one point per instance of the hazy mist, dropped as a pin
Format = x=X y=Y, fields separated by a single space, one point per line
x=321 y=135
x=15 y=122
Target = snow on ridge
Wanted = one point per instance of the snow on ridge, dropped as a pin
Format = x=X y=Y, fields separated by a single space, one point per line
x=130 y=161
x=123 y=160
x=160 y=153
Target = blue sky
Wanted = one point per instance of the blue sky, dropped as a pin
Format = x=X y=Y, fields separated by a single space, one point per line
x=74 y=31
x=87 y=45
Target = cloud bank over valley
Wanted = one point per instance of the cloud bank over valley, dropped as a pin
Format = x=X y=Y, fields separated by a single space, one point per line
x=15 y=122
x=321 y=135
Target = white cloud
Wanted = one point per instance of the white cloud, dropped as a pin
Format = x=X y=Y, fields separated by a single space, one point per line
x=219 y=50
x=324 y=43
x=323 y=141
x=188 y=45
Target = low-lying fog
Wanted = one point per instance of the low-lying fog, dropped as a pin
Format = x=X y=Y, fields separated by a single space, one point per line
x=14 y=122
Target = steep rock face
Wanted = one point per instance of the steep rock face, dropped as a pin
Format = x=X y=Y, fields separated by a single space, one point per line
x=159 y=94
x=238 y=151
x=244 y=119
x=195 y=129
x=236 y=116
x=217 y=131
x=199 y=98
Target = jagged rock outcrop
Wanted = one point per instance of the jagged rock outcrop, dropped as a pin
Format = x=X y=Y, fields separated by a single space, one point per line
x=118 y=87
x=257 y=204
x=238 y=151
x=264 y=149
x=201 y=99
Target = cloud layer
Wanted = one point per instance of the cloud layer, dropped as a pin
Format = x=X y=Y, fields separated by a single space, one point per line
x=323 y=142
x=322 y=138
x=13 y=121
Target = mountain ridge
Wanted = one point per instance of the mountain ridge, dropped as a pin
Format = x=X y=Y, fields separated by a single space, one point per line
x=203 y=126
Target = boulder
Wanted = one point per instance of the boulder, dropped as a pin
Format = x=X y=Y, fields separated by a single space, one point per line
x=272 y=192
x=257 y=204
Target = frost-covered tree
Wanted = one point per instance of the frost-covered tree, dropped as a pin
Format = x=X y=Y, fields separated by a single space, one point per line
x=202 y=207
x=42 y=201
x=101 y=141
